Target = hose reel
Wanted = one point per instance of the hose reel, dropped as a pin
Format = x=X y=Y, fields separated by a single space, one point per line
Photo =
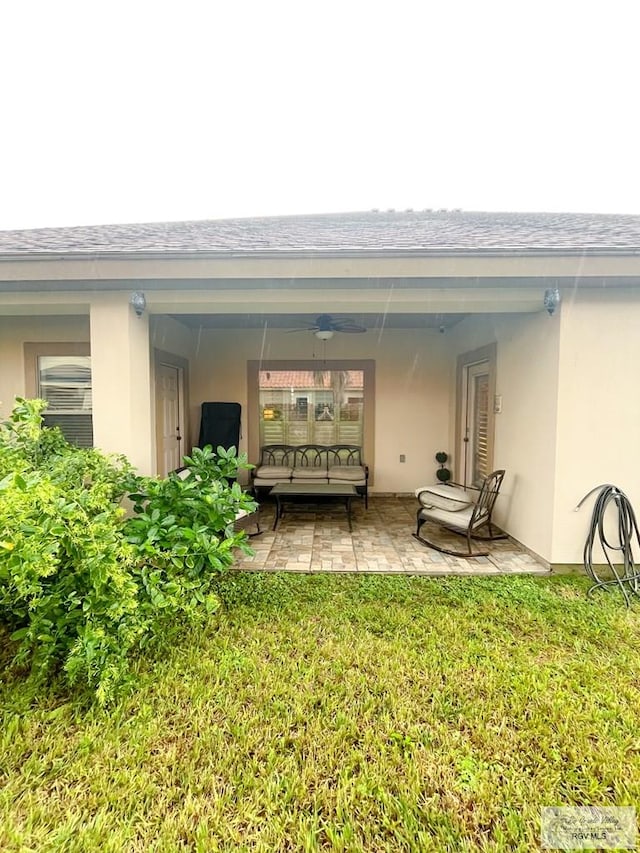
x=628 y=581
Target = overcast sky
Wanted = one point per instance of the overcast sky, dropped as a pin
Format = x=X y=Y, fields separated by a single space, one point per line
x=145 y=111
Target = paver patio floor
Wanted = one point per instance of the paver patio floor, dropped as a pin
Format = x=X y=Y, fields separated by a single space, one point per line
x=381 y=541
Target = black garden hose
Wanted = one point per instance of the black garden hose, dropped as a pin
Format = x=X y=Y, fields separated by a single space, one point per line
x=628 y=581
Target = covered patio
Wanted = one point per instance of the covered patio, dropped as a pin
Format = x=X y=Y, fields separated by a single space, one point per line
x=381 y=542
x=496 y=338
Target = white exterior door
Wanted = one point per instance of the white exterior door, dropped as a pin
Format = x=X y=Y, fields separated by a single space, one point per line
x=170 y=415
x=475 y=429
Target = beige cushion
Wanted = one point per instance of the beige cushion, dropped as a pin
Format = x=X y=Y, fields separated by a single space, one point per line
x=449 y=498
x=349 y=483
x=272 y=472
x=458 y=520
x=309 y=473
x=346 y=473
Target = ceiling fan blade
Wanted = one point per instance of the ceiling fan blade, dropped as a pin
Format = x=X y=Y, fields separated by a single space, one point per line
x=352 y=328
x=337 y=318
x=331 y=323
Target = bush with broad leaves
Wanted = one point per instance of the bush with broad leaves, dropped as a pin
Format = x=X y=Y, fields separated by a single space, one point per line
x=83 y=588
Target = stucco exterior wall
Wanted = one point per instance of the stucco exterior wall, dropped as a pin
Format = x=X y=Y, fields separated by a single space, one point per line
x=169 y=335
x=598 y=409
x=570 y=401
x=526 y=379
x=121 y=381
x=111 y=374
x=14 y=332
x=412 y=408
x=411 y=389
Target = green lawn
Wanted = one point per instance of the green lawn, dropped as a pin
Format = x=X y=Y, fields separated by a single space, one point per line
x=342 y=713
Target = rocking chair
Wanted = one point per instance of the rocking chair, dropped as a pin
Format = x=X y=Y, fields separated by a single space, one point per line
x=465 y=522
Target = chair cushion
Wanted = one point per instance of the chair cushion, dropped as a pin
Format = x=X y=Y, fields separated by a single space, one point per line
x=458 y=520
x=271 y=472
x=309 y=473
x=337 y=482
x=346 y=473
x=449 y=498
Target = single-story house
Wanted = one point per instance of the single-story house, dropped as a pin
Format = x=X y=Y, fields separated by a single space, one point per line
x=507 y=340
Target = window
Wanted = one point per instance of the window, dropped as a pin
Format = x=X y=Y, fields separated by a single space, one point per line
x=283 y=397
x=311 y=406
x=64 y=381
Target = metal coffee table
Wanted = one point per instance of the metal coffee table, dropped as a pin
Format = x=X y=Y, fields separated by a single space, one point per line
x=312 y=492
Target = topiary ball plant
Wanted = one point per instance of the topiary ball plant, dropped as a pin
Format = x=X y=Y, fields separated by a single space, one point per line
x=443 y=474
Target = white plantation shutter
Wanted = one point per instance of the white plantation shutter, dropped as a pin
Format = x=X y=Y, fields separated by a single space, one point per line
x=65 y=383
x=480 y=427
x=476 y=386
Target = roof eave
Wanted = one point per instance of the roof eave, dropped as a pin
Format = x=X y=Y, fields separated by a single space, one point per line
x=269 y=254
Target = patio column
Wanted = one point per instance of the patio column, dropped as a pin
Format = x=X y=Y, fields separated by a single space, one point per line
x=120 y=366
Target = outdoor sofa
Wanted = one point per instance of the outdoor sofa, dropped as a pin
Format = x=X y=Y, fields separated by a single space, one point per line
x=311 y=463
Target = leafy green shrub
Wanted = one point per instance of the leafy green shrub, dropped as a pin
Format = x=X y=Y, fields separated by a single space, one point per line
x=24 y=445
x=183 y=532
x=81 y=586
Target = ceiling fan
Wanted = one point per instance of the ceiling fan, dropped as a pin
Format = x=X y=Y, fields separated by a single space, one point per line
x=325 y=325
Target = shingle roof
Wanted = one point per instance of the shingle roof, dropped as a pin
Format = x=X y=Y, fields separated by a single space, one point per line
x=368 y=232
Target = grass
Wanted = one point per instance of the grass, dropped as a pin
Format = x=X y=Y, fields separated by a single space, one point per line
x=342 y=713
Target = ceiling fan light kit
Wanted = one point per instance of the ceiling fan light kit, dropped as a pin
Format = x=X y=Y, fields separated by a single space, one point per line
x=324 y=334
